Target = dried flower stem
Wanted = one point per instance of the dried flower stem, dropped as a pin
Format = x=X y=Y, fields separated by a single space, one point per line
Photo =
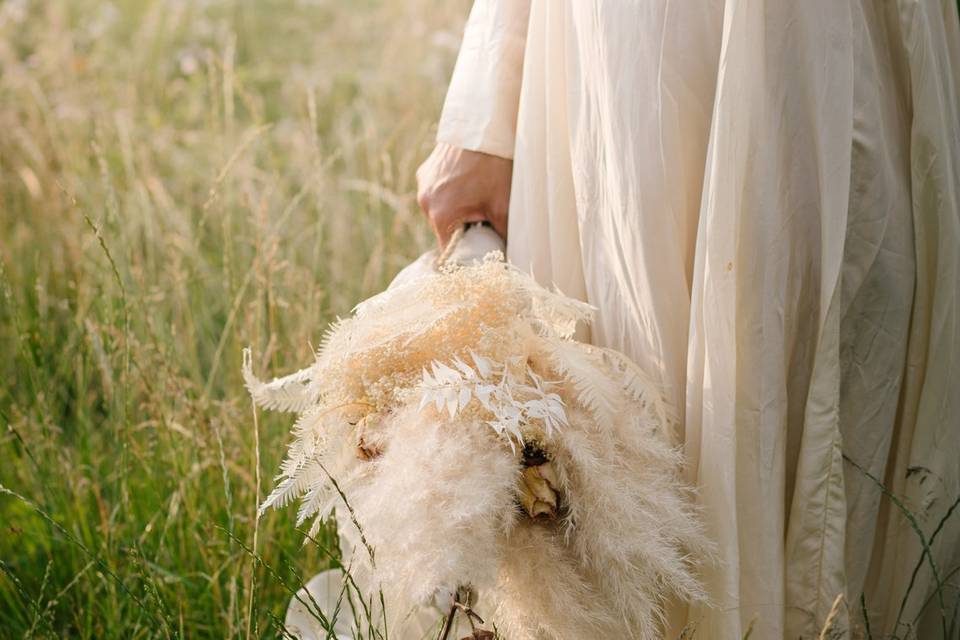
x=448 y=625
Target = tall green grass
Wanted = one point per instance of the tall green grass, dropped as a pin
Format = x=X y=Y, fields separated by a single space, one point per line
x=179 y=179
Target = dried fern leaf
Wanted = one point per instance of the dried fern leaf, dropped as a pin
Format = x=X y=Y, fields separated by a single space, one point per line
x=292 y=393
x=595 y=390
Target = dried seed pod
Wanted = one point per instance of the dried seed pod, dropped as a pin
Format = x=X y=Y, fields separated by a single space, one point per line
x=538 y=491
x=369 y=437
x=367 y=451
x=355 y=412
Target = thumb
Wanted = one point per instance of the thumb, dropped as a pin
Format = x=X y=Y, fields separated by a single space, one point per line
x=445 y=226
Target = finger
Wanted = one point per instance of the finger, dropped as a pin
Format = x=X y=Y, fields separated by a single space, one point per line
x=444 y=225
x=498 y=221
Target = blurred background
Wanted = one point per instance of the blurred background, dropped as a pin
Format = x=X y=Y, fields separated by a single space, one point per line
x=180 y=179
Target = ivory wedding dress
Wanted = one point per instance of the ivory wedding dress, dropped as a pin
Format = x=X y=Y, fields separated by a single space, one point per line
x=762 y=196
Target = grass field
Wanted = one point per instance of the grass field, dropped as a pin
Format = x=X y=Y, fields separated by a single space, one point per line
x=179 y=179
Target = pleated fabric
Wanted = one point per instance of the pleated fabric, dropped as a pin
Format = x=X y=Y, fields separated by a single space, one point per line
x=762 y=199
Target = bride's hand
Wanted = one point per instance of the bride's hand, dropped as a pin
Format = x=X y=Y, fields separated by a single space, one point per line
x=456 y=186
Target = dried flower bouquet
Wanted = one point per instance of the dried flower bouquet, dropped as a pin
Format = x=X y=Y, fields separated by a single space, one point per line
x=482 y=449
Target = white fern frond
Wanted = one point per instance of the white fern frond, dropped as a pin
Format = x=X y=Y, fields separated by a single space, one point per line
x=595 y=390
x=315 y=527
x=287 y=490
x=557 y=313
x=641 y=387
x=315 y=499
x=512 y=402
x=292 y=393
x=335 y=331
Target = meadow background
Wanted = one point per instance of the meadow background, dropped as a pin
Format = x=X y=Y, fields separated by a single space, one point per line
x=180 y=179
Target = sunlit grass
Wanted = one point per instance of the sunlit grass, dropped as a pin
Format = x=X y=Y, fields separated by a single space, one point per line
x=179 y=179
